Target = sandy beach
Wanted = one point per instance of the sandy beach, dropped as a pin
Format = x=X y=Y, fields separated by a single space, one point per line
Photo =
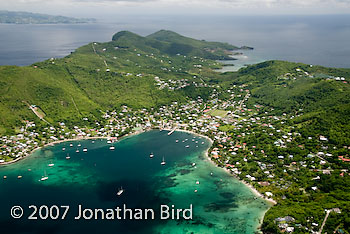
x=254 y=190
x=51 y=144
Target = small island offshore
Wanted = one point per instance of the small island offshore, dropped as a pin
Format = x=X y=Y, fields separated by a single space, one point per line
x=280 y=127
x=19 y=17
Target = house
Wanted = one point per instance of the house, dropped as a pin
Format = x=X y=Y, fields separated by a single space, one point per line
x=322 y=138
x=343 y=159
x=268 y=194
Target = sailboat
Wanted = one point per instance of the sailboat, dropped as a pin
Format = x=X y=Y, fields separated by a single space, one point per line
x=45 y=177
x=112 y=147
x=151 y=155
x=51 y=164
x=67 y=157
x=85 y=150
x=120 y=191
x=163 y=162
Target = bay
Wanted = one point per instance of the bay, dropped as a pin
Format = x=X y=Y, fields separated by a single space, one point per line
x=221 y=204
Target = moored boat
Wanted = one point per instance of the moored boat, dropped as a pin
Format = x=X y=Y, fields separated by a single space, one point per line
x=120 y=191
x=163 y=162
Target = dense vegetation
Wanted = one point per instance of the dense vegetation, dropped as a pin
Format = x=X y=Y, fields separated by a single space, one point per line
x=164 y=67
x=102 y=76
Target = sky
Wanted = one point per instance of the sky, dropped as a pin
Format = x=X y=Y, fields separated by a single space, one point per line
x=106 y=9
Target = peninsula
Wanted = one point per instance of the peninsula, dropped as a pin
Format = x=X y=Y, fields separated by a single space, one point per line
x=20 y=17
x=281 y=127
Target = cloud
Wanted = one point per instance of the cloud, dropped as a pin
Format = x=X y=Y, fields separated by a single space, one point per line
x=178 y=6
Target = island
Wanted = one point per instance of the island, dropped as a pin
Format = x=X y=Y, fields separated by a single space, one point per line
x=20 y=17
x=282 y=128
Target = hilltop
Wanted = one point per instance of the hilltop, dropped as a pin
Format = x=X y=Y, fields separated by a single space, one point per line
x=104 y=75
x=172 y=43
x=282 y=127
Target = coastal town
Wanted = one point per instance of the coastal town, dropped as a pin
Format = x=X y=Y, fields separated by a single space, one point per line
x=267 y=123
x=252 y=143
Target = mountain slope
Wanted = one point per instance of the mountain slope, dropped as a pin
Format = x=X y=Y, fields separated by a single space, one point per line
x=296 y=88
x=189 y=46
x=96 y=76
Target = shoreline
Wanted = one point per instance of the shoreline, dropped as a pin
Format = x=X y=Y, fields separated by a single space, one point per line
x=254 y=190
x=206 y=154
x=270 y=201
x=66 y=140
x=49 y=144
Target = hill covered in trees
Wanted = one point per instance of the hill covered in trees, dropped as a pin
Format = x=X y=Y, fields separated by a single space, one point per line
x=286 y=125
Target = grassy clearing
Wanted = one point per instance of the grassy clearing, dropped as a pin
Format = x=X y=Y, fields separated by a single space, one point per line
x=220 y=113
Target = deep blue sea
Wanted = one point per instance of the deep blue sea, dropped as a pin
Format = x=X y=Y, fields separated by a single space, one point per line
x=322 y=40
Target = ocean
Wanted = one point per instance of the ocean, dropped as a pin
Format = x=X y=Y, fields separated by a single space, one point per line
x=318 y=39
x=221 y=204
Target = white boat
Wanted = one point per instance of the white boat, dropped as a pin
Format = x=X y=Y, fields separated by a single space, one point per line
x=197 y=182
x=67 y=157
x=79 y=145
x=51 y=165
x=151 y=155
x=77 y=151
x=177 y=141
x=109 y=142
x=112 y=148
x=120 y=191
x=45 y=177
x=163 y=162
x=202 y=143
x=71 y=145
x=85 y=150
x=63 y=149
x=193 y=164
x=92 y=142
x=187 y=146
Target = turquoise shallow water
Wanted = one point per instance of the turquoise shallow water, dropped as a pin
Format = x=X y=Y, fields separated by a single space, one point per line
x=221 y=204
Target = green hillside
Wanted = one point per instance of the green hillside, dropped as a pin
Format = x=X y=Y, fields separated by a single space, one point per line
x=97 y=76
x=189 y=46
x=312 y=90
x=282 y=127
